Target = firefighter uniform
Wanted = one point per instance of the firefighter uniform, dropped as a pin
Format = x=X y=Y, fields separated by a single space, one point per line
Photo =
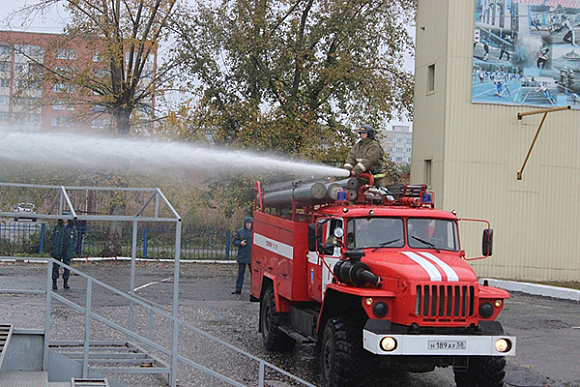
x=367 y=156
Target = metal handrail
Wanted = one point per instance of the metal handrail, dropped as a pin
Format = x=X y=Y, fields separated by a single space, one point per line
x=89 y=314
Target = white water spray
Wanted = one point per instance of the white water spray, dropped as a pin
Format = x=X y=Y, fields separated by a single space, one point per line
x=66 y=149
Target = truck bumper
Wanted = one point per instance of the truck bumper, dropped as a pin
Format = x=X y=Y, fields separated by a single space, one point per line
x=438 y=345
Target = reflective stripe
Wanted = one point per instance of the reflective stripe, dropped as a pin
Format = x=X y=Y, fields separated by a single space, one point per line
x=426 y=264
x=380 y=175
x=361 y=166
x=451 y=274
x=274 y=246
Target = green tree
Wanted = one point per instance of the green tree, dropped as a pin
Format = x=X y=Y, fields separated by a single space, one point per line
x=295 y=76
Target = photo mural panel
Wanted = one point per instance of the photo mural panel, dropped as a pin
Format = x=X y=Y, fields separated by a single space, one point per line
x=525 y=52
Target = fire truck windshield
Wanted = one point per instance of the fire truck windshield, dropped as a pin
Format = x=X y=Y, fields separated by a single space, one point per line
x=438 y=234
x=363 y=233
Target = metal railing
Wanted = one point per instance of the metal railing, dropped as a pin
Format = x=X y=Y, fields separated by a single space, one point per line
x=146 y=342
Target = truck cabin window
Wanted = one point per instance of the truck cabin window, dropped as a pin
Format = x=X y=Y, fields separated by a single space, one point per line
x=364 y=233
x=439 y=234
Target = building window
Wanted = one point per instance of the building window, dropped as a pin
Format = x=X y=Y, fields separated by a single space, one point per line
x=4 y=83
x=428 y=172
x=26 y=102
x=28 y=68
x=99 y=108
x=25 y=84
x=29 y=50
x=431 y=78
x=101 y=123
x=61 y=121
x=63 y=70
x=5 y=66
x=4 y=116
x=4 y=100
x=102 y=73
x=65 y=54
x=27 y=119
x=62 y=105
x=5 y=49
x=62 y=88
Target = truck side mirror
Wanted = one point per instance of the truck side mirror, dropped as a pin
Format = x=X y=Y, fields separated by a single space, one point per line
x=487 y=242
x=314 y=240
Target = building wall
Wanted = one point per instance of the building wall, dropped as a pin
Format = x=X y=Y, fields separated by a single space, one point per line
x=470 y=154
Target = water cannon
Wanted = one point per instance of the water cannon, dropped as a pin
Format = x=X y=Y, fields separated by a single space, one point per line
x=353 y=272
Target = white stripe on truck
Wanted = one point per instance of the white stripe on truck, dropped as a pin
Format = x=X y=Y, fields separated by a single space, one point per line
x=279 y=248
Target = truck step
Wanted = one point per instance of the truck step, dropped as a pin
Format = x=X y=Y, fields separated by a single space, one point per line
x=296 y=335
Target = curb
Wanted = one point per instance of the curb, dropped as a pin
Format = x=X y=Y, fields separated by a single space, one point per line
x=535 y=289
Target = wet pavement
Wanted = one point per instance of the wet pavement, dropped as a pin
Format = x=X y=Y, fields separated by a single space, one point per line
x=546 y=330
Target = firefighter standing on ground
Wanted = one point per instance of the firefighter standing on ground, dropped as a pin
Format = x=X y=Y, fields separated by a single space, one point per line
x=366 y=155
x=63 y=243
x=243 y=240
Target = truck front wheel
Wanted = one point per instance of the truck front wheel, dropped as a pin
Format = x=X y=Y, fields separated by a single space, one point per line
x=343 y=360
x=274 y=339
x=482 y=371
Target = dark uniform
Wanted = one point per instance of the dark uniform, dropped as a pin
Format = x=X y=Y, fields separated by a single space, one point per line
x=244 y=251
x=367 y=156
x=63 y=243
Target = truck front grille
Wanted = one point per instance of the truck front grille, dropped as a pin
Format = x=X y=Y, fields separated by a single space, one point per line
x=445 y=301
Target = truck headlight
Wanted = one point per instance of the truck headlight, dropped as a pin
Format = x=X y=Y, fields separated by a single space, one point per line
x=388 y=344
x=503 y=345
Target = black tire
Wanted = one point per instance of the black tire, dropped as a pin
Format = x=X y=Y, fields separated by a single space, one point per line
x=483 y=371
x=274 y=339
x=343 y=360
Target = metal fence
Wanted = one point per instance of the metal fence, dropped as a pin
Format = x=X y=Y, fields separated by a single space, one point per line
x=32 y=238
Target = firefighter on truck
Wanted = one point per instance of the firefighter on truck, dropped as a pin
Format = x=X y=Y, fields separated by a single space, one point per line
x=376 y=277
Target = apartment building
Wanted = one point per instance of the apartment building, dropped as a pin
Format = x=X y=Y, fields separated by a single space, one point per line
x=397 y=143
x=32 y=100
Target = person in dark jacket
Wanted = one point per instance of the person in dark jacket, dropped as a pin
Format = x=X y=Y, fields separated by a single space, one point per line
x=63 y=243
x=366 y=155
x=243 y=240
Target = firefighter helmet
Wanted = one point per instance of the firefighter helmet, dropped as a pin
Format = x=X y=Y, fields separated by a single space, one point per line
x=367 y=129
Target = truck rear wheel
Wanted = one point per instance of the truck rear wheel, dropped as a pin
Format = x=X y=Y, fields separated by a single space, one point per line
x=343 y=360
x=483 y=371
x=274 y=339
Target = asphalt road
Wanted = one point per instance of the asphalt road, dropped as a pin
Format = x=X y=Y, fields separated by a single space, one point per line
x=547 y=330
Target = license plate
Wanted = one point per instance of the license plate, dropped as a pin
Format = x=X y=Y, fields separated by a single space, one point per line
x=446 y=345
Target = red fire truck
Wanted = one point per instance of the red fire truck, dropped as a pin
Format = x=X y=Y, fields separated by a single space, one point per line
x=376 y=277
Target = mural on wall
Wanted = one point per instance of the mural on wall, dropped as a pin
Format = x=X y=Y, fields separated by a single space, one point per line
x=527 y=52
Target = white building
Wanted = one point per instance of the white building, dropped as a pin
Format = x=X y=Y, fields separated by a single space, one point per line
x=397 y=143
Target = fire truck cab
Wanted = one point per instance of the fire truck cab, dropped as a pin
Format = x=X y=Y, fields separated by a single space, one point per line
x=376 y=277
